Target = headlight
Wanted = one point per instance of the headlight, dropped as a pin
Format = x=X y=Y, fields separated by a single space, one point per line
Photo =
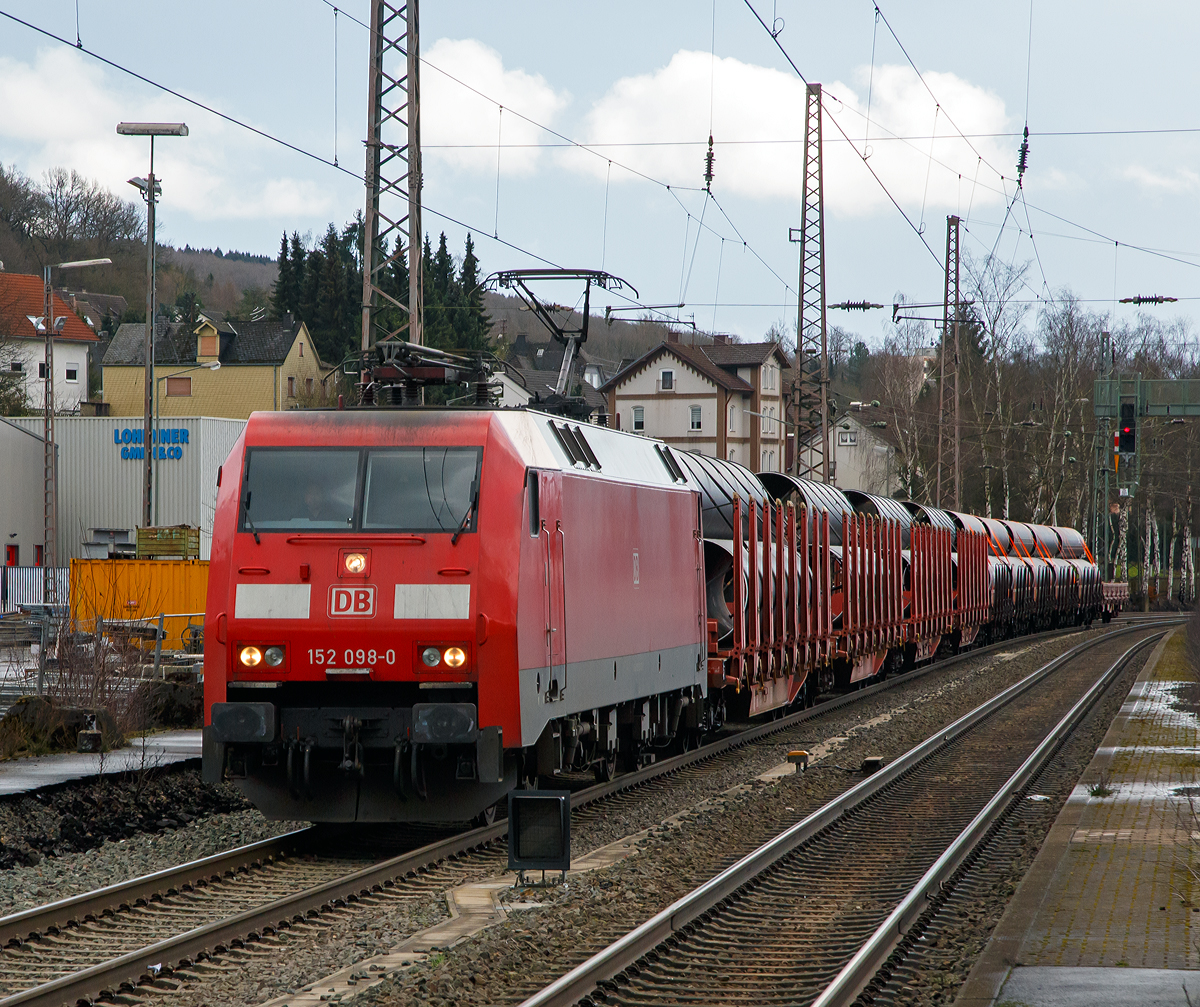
x=251 y=657
x=355 y=562
x=455 y=657
x=431 y=656
x=274 y=656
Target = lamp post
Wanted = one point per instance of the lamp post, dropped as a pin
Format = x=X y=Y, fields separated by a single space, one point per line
x=150 y=190
x=214 y=365
x=51 y=326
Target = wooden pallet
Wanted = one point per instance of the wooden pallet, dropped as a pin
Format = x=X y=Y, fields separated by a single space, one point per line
x=178 y=542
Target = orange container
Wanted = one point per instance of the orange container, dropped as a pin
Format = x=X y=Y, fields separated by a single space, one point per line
x=124 y=592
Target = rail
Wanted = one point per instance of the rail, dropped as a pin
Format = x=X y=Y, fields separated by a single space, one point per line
x=859 y=971
x=133 y=967
x=623 y=953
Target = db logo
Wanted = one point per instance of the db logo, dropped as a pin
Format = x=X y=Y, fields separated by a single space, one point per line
x=352 y=602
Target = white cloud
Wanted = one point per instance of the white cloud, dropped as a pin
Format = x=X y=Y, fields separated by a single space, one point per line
x=63 y=110
x=451 y=114
x=1181 y=180
x=759 y=103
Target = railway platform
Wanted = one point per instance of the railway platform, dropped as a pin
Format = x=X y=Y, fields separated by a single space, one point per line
x=1109 y=913
x=18 y=776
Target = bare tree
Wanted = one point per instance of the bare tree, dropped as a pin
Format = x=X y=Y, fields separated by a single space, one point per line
x=994 y=286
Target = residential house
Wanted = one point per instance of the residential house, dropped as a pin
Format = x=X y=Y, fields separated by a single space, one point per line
x=722 y=399
x=522 y=386
x=23 y=344
x=264 y=365
x=861 y=457
x=530 y=355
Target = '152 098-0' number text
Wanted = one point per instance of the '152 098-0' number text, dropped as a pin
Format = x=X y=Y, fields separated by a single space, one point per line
x=350 y=656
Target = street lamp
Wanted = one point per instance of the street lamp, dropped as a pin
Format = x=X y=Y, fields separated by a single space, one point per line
x=51 y=326
x=150 y=190
x=214 y=365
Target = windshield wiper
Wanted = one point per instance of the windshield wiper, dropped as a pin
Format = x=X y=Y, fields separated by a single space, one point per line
x=467 y=517
x=249 y=520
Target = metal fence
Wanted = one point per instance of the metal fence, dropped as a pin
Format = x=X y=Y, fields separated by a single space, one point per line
x=22 y=585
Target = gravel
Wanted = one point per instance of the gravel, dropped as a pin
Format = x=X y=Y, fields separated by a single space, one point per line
x=81 y=836
x=510 y=960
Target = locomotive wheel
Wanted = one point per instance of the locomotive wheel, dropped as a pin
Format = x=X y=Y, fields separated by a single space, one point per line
x=605 y=768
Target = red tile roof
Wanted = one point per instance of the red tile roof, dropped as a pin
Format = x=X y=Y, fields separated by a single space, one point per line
x=22 y=296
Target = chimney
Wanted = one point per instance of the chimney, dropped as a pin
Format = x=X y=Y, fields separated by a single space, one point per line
x=720 y=339
x=672 y=336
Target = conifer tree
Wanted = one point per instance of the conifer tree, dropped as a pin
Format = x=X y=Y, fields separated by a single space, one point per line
x=474 y=325
x=282 y=292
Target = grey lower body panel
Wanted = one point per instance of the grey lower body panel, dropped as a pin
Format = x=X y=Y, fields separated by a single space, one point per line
x=591 y=685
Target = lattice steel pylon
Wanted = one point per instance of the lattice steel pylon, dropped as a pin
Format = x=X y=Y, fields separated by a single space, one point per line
x=393 y=175
x=813 y=450
x=949 y=454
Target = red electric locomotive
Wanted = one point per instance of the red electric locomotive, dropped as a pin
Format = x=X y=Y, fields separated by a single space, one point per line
x=409 y=610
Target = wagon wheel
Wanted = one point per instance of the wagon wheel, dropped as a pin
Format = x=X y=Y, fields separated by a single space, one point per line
x=486 y=817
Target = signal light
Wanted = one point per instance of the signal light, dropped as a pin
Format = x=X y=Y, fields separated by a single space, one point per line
x=455 y=657
x=273 y=656
x=1127 y=444
x=356 y=562
x=431 y=657
x=251 y=657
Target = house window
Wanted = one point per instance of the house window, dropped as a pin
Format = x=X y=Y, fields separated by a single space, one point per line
x=639 y=418
x=42 y=371
x=291 y=388
x=668 y=381
x=179 y=386
x=694 y=419
x=301 y=347
x=12 y=555
x=16 y=367
x=308 y=385
x=72 y=375
x=732 y=418
x=847 y=438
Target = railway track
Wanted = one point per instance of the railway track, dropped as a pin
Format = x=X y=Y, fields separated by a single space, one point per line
x=813 y=915
x=113 y=939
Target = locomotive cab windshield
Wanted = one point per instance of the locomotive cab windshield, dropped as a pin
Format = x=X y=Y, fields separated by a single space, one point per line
x=394 y=489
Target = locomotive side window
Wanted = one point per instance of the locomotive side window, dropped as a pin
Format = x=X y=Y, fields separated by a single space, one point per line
x=421 y=489
x=299 y=489
x=535 y=514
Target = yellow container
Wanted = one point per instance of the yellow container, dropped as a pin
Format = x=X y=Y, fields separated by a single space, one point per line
x=130 y=594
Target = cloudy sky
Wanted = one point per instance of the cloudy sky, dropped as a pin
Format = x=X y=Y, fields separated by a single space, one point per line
x=1110 y=195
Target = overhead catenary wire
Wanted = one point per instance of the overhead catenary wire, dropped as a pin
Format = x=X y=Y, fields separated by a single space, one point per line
x=604 y=229
x=335 y=85
x=569 y=141
x=264 y=134
x=499 y=136
x=838 y=127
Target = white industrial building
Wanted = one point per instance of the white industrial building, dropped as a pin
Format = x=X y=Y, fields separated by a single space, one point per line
x=22 y=524
x=100 y=478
